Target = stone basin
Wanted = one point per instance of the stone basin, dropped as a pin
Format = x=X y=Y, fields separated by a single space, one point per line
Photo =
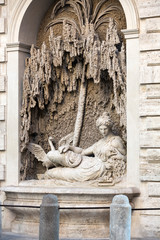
x=74 y=223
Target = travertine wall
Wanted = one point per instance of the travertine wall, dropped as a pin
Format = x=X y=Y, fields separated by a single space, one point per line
x=3 y=80
x=145 y=223
x=149 y=111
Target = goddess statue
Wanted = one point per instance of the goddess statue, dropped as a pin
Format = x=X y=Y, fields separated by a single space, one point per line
x=104 y=161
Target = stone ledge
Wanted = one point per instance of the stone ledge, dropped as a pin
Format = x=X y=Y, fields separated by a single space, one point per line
x=67 y=196
x=40 y=186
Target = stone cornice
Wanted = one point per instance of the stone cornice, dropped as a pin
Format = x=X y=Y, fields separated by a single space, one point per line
x=130 y=33
x=21 y=47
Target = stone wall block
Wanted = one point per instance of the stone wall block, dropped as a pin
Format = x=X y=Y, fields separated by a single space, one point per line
x=150 y=155
x=149 y=74
x=150 y=91
x=2 y=112
x=149 y=9
x=2 y=83
x=2 y=142
x=150 y=58
x=150 y=225
x=150 y=41
x=154 y=189
x=150 y=124
x=150 y=139
x=150 y=172
x=2 y=173
x=2 y=54
x=2 y=25
x=152 y=25
x=149 y=107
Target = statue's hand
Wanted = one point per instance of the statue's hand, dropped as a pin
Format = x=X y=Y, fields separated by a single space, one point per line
x=63 y=148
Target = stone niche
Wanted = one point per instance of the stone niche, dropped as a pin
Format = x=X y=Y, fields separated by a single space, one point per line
x=76 y=72
x=75 y=75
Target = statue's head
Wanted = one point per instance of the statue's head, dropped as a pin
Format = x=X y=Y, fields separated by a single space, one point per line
x=104 y=123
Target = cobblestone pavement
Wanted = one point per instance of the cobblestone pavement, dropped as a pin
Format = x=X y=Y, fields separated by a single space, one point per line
x=13 y=236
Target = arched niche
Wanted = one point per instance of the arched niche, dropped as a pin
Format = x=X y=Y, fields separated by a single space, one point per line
x=23 y=28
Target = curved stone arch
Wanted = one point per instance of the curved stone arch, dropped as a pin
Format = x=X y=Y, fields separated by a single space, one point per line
x=23 y=28
x=131 y=13
x=24 y=20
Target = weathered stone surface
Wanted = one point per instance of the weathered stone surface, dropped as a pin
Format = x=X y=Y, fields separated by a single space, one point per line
x=2 y=142
x=2 y=25
x=150 y=172
x=149 y=9
x=150 y=203
x=149 y=74
x=150 y=123
x=154 y=189
x=149 y=41
x=148 y=178
x=150 y=107
x=151 y=58
x=150 y=155
x=150 y=139
x=152 y=25
x=150 y=91
x=2 y=112
x=49 y=218
x=2 y=83
x=150 y=225
x=2 y=172
x=2 y=54
x=120 y=218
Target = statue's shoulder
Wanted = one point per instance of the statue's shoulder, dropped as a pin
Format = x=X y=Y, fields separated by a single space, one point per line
x=117 y=141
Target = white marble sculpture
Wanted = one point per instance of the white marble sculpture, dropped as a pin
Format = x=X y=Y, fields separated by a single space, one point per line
x=104 y=161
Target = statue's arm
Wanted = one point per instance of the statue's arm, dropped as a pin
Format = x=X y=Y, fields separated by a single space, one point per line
x=84 y=152
x=65 y=148
x=88 y=151
x=76 y=149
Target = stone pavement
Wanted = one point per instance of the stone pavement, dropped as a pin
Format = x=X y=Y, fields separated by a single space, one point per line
x=13 y=236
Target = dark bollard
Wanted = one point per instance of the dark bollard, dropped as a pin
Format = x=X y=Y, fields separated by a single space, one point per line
x=120 y=218
x=49 y=218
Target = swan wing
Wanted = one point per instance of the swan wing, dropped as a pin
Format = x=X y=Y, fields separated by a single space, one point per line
x=37 y=151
